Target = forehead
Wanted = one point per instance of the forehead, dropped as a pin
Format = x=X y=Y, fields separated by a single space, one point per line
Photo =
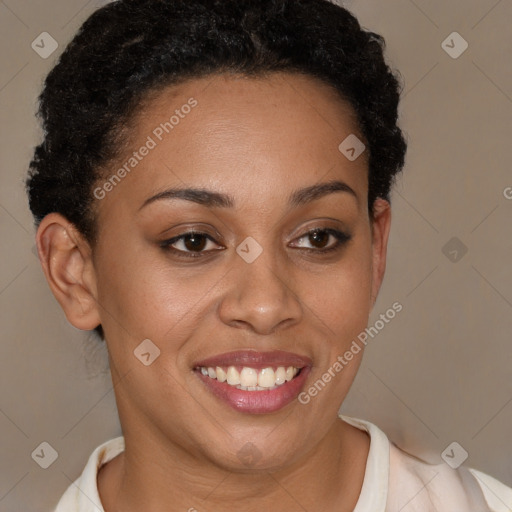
x=250 y=138
x=296 y=105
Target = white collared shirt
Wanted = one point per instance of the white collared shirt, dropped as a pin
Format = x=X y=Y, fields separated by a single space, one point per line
x=394 y=481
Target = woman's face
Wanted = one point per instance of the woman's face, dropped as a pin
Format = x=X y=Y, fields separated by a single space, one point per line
x=251 y=279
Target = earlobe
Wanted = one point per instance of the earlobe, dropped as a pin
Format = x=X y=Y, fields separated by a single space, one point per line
x=66 y=261
x=381 y=225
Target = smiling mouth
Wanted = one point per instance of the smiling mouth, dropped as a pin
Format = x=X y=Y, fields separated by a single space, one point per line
x=251 y=379
x=254 y=382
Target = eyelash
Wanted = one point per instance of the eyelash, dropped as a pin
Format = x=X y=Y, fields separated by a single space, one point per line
x=341 y=239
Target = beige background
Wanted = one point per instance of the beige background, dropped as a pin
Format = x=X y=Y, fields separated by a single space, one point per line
x=439 y=372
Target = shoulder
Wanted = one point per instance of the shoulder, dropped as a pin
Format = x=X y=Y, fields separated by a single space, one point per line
x=82 y=495
x=497 y=494
x=415 y=485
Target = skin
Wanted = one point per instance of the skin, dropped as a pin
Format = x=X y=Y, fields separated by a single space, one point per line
x=257 y=140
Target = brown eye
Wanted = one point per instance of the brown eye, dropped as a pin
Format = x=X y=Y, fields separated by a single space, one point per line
x=318 y=239
x=194 y=242
x=191 y=244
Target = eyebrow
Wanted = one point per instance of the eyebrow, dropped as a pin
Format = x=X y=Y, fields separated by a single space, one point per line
x=212 y=199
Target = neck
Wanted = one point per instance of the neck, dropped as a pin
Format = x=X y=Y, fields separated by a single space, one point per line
x=145 y=477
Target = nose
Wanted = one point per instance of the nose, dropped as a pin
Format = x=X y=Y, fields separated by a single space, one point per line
x=261 y=296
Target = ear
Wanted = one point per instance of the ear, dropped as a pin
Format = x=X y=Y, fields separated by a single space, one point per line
x=381 y=224
x=67 y=265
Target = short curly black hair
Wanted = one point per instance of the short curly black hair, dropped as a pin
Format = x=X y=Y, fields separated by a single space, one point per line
x=129 y=48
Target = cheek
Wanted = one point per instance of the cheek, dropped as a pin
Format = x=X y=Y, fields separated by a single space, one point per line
x=145 y=296
x=341 y=297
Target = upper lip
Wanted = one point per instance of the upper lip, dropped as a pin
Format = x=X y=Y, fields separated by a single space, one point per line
x=255 y=359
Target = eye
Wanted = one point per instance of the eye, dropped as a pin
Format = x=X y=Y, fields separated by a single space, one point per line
x=192 y=244
x=319 y=239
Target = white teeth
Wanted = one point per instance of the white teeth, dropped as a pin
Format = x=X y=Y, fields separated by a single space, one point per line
x=250 y=379
x=221 y=374
x=266 y=378
x=290 y=373
x=280 y=375
x=233 y=377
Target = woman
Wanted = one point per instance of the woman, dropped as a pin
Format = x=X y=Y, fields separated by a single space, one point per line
x=212 y=197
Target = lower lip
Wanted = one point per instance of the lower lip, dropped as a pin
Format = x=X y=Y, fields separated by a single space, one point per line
x=257 y=402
